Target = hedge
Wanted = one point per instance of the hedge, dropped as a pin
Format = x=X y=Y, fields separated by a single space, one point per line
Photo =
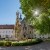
x=8 y=43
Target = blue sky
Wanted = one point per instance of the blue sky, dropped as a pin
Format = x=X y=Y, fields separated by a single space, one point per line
x=8 y=10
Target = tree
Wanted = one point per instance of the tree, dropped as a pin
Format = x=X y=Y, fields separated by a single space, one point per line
x=28 y=5
x=42 y=22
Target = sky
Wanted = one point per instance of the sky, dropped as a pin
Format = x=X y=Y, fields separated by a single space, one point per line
x=8 y=9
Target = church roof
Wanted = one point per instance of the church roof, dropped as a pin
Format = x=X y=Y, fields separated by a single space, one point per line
x=6 y=26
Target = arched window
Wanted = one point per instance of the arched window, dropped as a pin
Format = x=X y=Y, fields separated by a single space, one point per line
x=24 y=34
x=6 y=31
x=30 y=31
x=6 y=36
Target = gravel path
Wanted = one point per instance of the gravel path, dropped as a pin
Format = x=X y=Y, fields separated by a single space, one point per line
x=42 y=46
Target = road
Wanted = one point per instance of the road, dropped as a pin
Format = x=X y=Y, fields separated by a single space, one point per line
x=42 y=46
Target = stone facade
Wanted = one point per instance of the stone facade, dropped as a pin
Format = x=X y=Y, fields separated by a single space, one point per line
x=25 y=30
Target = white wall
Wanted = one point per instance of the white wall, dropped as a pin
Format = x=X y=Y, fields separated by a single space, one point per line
x=9 y=32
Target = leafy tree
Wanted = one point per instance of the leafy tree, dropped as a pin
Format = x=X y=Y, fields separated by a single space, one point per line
x=42 y=22
x=28 y=5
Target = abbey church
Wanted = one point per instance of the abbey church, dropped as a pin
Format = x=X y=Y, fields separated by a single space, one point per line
x=19 y=30
x=22 y=29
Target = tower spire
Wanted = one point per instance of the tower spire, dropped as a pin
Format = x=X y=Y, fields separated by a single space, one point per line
x=17 y=25
x=17 y=17
x=20 y=18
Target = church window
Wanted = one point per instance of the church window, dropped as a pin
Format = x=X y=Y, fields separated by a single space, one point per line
x=0 y=32
x=12 y=31
x=40 y=37
x=24 y=35
x=6 y=31
x=9 y=31
x=24 y=25
x=43 y=37
x=25 y=28
x=0 y=36
x=30 y=31
x=6 y=36
x=3 y=31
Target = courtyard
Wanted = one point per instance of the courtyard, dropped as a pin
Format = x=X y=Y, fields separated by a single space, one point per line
x=41 y=46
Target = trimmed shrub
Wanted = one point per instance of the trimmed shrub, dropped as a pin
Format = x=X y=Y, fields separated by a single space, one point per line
x=8 y=43
x=27 y=43
x=1 y=43
x=15 y=44
x=39 y=40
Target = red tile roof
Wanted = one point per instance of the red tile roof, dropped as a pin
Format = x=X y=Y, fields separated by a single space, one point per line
x=6 y=26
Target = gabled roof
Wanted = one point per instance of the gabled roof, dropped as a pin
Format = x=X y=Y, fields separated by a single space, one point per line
x=6 y=26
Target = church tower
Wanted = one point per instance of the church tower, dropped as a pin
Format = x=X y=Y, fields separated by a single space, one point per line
x=17 y=18
x=20 y=18
x=17 y=26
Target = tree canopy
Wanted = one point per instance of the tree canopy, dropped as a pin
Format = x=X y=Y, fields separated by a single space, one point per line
x=41 y=22
x=28 y=5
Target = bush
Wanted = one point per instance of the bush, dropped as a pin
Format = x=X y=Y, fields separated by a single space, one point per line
x=15 y=44
x=1 y=43
x=8 y=43
x=39 y=40
x=27 y=43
